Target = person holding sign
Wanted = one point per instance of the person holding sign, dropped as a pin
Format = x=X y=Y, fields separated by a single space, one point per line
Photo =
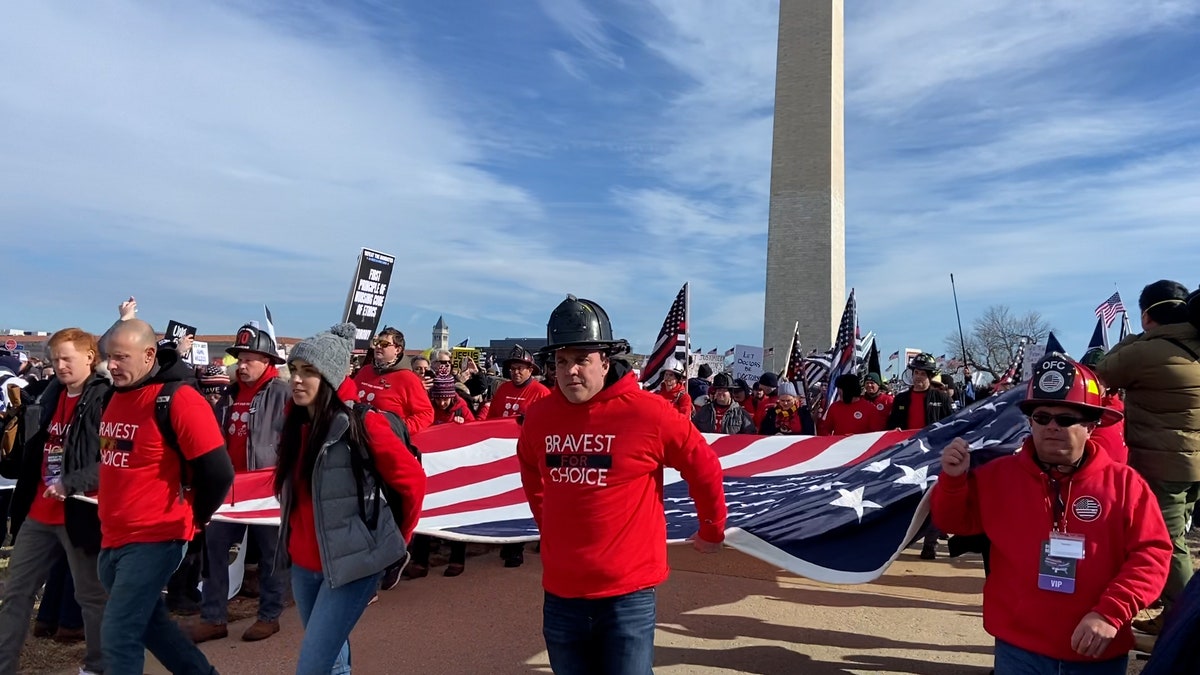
x=1078 y=544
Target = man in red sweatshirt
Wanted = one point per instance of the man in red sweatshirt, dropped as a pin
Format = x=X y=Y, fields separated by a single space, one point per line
x=852 y=414
x=390 y=388
x=592 y=463
x=514 y=397
x=1078 y=544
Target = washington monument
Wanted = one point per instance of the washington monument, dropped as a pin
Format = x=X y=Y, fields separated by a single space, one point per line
x=806 y=232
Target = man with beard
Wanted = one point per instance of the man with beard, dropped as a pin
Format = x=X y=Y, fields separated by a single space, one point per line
x=251 y=416
x=722 y=415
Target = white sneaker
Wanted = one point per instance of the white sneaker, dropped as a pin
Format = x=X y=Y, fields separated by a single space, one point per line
x=86 y=672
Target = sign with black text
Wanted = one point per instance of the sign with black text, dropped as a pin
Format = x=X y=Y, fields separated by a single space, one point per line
x=177 y=331
x=364 y=304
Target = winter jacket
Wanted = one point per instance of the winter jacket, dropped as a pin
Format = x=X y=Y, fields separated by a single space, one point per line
x=679 y=400
x=1161 y=380
x=81 y=458
x=511 y=400
x=593 y=475
x=459 y=409
x=347 y=549
x=799 y=423
x=697 y=387
x=737 y=420
x=398 y=391
x=1126 y=547
x=937 y=408
x=266 y=421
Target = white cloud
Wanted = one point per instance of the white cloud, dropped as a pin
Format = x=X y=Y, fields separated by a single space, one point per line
x=581 y=24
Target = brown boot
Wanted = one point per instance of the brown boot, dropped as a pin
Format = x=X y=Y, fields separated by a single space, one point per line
x=203 y=632
x=261 y=630
x=68 y=636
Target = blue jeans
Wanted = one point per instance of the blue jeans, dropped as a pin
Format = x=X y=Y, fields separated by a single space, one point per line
x=605 y=636
x=328 y=615
x=1012 y=660
x=218 y=538
x=136 y=618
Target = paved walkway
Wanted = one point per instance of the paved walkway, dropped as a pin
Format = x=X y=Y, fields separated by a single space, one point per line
x=718 y=614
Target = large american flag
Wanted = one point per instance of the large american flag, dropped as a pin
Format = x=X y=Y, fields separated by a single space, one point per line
x=672 y=341
x=845 y=350
x=1109 y=309
x=795 y=367
x=838 y=509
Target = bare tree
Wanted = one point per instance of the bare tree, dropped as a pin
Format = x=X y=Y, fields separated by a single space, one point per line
x=994 y=337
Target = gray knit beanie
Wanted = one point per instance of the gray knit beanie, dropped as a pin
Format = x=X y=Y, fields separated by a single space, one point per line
x=328 y=352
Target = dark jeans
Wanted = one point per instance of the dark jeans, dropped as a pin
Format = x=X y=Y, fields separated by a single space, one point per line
x=328 y=615
x=219 y=537
x=1012 y=660
x=605 y=636
x=59 y=606
x=136 y=617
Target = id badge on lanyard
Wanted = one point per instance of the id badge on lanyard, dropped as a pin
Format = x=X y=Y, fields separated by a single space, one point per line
x=1062 y=551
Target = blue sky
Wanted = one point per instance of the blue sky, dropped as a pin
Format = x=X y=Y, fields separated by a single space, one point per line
x=211 y=157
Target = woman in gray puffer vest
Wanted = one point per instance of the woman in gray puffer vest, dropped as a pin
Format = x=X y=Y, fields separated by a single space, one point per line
x=327 y=505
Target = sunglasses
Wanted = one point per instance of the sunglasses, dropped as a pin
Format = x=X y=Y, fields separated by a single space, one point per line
x=1064 y=421
x=443 y=363
x=382 y=344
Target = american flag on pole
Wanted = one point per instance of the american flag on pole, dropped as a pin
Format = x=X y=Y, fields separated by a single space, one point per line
x=837 y=509
x=795 y=368
x=844 y=348
x=1010 y=375
x=895 y=355
x=1109 y=309
x=672 y=341
x=1125 y=329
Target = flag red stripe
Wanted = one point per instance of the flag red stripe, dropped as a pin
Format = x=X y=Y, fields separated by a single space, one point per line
x=801 y=451
x=510 y=498
x=461 y=477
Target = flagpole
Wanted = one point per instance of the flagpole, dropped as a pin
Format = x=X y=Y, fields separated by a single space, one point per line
x=961 y=338
x=787 y=360
x=687 y=318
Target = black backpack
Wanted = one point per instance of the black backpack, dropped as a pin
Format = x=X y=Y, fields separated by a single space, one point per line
x=363 y=465
x=162 y=417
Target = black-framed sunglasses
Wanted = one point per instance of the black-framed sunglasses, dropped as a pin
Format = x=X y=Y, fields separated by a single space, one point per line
x=382 y=344
x=443 y=363
x=1064 y=420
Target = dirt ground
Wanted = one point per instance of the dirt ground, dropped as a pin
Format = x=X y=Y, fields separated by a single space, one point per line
x=727 y=613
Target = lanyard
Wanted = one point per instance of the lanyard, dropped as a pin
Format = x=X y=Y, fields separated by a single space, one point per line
x=1058 y=503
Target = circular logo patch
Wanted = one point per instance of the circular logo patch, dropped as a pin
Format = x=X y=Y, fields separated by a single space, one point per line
x=857 y=415
x=1086 y=509
x=1051 y=382
x=879 y=407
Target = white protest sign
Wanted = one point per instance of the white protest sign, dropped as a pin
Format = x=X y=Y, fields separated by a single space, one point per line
x=714 y=361
x=747 y=363
x=1033 y=356
x=199 y=353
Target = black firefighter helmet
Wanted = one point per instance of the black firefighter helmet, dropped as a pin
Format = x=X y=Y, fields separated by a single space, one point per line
x=925 y=362
x=521 y=355
x=578 y=322
x=251 y=339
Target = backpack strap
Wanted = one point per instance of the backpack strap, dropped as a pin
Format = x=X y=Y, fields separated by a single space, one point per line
x=1179 y=343
x=162 y=417
x=363 y=466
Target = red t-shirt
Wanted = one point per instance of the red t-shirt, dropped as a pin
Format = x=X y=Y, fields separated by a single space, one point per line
x=593 y=476
x=511 y=400
x=883 y=409
x=140 y=499
x=397 y=391
x=47 y=510
x=916 y=411
x=858 y=417
x=238 y=431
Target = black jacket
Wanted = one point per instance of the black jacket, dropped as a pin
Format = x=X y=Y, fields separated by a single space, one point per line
x=807 y=426
x=938 y=407
x=81 y=459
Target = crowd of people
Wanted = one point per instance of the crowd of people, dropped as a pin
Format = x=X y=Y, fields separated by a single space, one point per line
x=1080 y=530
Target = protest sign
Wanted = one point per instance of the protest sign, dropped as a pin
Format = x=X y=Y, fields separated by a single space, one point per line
x=176 y=331
x=368 y=292
x=1033 y=356
x=714 y=361
x=747 y=363
x=199 y=354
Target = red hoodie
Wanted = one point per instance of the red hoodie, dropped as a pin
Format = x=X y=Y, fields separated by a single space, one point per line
x=761 y=406
x=843 y=418
x=1127 y=549
x=397 y=391
x=459 y=409
x=678 y=398
x=593 y=475
x=512 y=401
x=1112 y=437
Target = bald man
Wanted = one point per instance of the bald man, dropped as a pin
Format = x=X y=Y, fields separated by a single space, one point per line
x=147 y=512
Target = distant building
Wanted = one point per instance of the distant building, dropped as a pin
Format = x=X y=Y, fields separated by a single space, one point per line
x=500 y=349
x=441 y=335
